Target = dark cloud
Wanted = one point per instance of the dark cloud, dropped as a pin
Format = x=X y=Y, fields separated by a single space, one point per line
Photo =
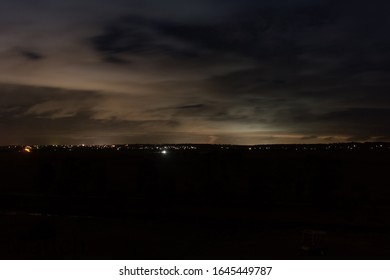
x=133 y=36
x=32 y=55
x=112 y=58
x=262 y=34
x=328 y=36
x=193 y=106
x=311 y=137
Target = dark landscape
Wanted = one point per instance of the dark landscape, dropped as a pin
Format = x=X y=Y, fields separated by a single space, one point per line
x=195 y=202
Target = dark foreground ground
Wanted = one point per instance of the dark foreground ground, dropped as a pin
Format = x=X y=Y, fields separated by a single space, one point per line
x=195 y=205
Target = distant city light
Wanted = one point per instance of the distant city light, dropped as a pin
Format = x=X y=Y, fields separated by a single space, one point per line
x=185 y=147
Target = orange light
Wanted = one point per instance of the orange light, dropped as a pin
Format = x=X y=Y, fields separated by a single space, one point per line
x=27 y=149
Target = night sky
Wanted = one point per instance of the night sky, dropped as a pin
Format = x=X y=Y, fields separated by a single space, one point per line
x=194 y=71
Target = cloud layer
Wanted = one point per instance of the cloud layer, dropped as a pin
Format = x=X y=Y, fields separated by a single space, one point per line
x=200 y=71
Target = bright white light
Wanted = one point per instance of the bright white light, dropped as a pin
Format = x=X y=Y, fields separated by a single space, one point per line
x=164 y=152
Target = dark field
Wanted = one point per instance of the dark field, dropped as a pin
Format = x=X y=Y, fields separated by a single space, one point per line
x=201 y=204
